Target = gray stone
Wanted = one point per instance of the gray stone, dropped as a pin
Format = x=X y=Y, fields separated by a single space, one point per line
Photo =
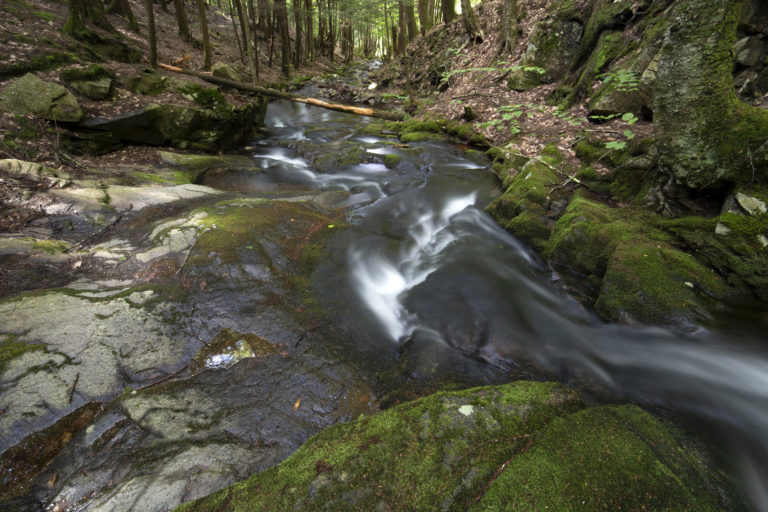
x=553 y=44
x=100 y=89
x=221 y=70
x=752 y=205
x=35 y=172
x=722 y=230
x=749 y=51
x=31 y=95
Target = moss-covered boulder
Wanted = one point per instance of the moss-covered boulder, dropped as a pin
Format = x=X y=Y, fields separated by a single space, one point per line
x=631 y=268
x=35 y=172
x=202 y=129
x=553 y=43
x=222 y=70
x=522 y=208
x=94 y=81
x=527 y=446
x=735 y=243
x=31 y=95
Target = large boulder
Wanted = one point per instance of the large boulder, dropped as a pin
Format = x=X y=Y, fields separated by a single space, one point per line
x=221 y=70
x=184 y=127
x=553 y=44
x=31 y=95
x=521 y=446
x=94 y=82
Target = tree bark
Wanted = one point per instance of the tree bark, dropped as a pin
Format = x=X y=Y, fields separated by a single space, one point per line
x=471 y=23
x=508 y=26
x=298 y=58
x=448 y=7
x=97 y=14
x=152 y=34
x=252 y=13
x=182 y=21
x=204 y=30
x=242 y=14
x=706 y=137
x=410 y=20
x=74 y=25
x=308 y=45
x=282 y=21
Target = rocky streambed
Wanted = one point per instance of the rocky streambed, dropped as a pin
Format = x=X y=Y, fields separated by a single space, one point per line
x=165 y=338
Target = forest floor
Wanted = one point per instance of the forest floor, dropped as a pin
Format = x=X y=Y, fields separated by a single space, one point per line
x=31 y=32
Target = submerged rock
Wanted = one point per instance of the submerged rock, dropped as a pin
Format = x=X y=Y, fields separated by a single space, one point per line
x=524 y=445
x=31 y=95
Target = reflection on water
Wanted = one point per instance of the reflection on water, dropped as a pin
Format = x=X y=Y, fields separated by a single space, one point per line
x=229 y=347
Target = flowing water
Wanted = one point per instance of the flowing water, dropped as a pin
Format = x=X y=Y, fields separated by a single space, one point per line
x=414 y=276
x=424 y=269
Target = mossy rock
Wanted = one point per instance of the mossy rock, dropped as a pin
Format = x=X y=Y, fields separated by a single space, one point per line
x=147 y=83
x=632 y=269
x=31 y=95
x=522 y=208
x=222 y=70
x=190 y=128
x=554 y=42
x=392 y=159
x=409 y=137
x=528 y=444
x=738 y=254
x=85 y=73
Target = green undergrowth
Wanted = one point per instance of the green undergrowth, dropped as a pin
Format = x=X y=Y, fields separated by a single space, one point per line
x=523 y=445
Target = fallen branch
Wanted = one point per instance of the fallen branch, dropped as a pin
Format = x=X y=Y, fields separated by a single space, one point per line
x=371 y=112
x=82 y=242
x=72 y=389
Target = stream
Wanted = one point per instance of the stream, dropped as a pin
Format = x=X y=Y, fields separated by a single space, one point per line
x=224 y=362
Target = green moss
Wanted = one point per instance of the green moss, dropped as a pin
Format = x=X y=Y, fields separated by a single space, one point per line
x=10 y=348
x=632 y=268
x=45 y=16
x=90 y=72
x=51 y=246
x=206 y=97
x=392 y=159
x=522 y=445
x=430 y=126
x=565 y=468
x=421 y=137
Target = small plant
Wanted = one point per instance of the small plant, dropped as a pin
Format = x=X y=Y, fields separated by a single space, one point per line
x=622 y=80
x=629 y=118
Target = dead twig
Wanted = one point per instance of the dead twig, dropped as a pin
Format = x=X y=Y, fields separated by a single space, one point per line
x=72 y=389
x=167 y=377
x=186 y=256
x=85 y=240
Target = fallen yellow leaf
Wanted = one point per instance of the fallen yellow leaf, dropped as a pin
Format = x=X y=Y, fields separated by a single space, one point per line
x=297 y=404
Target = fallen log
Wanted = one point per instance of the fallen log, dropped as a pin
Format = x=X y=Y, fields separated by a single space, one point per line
x=372 y=112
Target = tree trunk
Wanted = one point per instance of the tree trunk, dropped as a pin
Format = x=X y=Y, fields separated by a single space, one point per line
x=297 y=18
x=152 y=34
x=508 y=26
x=74 y=25
x=242 y=14
x=308 y=45
x=252 y=12
x=204 y=30
x=182 y=21
x=402 y=28
x=449 y=10
x=410 y=20
x=706 y=137
x=471 y=23
x=98 y=15
x=425 y=16
x=281 y=11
